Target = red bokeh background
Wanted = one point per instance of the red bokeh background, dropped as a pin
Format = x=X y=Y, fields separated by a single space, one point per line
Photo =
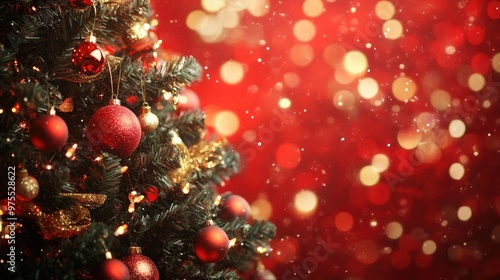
x=357 y=231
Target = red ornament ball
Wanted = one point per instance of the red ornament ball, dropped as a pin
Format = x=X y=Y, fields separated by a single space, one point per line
x=234 y=206
x=49 y=133
x=263 y=275
x=114 y=129
x=88 y=58
x=112 y=269
x=80 y=4
x=211 y=244
x=141 y=267
x=188 y=100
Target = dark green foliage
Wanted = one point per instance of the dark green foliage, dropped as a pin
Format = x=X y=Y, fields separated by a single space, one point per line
x=37 y=38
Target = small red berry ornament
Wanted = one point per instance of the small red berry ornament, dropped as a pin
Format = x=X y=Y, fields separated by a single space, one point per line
x=114 y=129
x=87 y=57
x=80 y=4
x=234 y=206
x=49 y=133
x=211 y=244
x=111 y=269
x=140 y=266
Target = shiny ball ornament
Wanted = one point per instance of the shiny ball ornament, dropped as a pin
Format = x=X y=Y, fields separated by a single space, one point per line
x=111 y=269
x=188 y=100
x=114 y=129
x=211 y=244
x=49 y=133
x=88 y=58
x=263 y=274
x=149 y=121
x=140 y=266
x=234 y=206
x=80 y=4
x=26 y=186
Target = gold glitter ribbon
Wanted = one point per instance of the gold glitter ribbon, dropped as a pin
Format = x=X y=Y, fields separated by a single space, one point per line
x=202 y=156
x=64 y=222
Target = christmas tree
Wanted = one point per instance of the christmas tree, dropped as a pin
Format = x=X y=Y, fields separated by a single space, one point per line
x=103 y=177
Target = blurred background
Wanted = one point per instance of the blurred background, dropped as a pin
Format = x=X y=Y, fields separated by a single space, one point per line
x=368 y=130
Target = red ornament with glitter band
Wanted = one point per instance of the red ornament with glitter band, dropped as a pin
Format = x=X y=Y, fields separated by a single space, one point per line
x=80 y=4
x=211 y=244
x=87 y=57
x=140 y=266
x=114 y=129
x=49 y=133
x=234 y=206
x=111 y=269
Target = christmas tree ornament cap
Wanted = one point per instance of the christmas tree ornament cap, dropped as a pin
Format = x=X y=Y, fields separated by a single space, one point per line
x=91 y=38
x=135 y=250
x=209 y=223
x=115 y=101
x=145 y=109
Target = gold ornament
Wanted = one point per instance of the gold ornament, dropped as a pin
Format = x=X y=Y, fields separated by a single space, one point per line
x=181 y=174
x=26 y=186
x=208 y=154
x=148 y=120
x=64 y=222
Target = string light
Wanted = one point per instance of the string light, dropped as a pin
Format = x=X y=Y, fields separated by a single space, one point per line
x=121 y=230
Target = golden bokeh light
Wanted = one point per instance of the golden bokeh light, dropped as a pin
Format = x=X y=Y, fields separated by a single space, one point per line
x=456 y=128
x=258 y=8
x=456 y=171
x=344 y=100
x=213 y=5
x=425 y=121
x=355 y=62
x=495 y=62
x=409 y=138
x=226 y=123
x=313 y=8
x=394 y=230
x=301 y=54
x=381 y=162
x=385 y=10
x=404 y=88
x=367 y=88
x=261 y=209
x=392 y=29
x=305 y=202
x=232 y=72
x=304 y=30
x=476 y=82
x=369 y=175
x=440 y=100
x=429 y=247
x=284 y=103
x=464 y=213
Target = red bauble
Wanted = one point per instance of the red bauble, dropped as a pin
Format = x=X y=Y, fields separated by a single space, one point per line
x=188 y=100
x=114 y=129
x=88 y=58
x=263 y=275
x=234 y=206
x=49 y=133
x=141 y=267
x=80 y=4
x=112 y=269
x=211 y=244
